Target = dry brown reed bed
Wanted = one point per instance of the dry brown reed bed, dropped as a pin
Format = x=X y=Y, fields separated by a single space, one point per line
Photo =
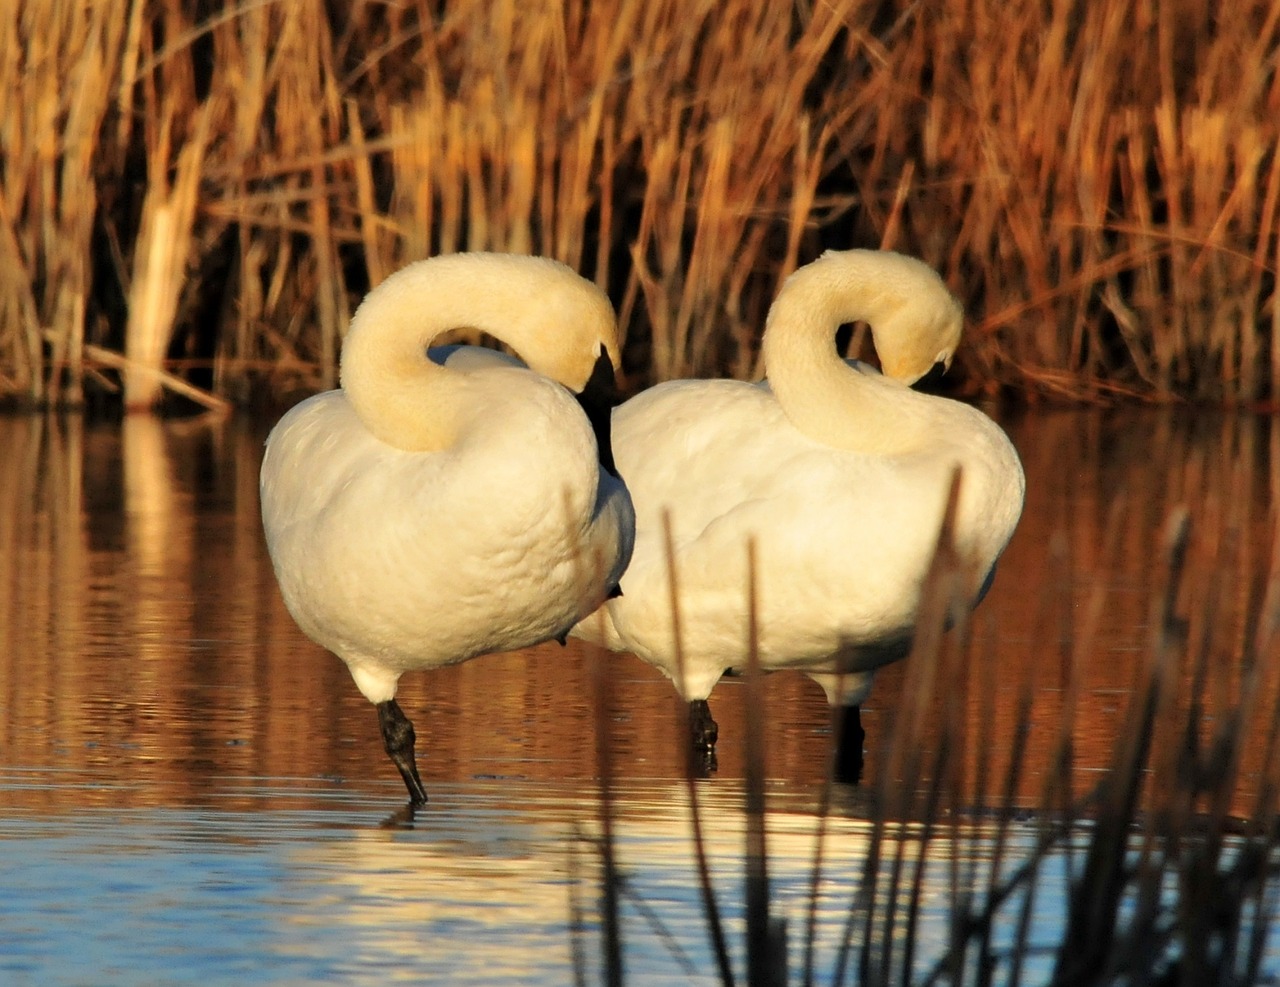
x=217 y=185
x=1171 y=855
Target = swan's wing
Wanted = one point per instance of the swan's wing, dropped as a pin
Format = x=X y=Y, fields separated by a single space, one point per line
x=319 y=447
x=321 y=434
x=843 y=539
x=690 y=446
x=368 y=540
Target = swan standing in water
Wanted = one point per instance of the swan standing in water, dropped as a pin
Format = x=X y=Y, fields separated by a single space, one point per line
x=839 y=474
x=446 y=504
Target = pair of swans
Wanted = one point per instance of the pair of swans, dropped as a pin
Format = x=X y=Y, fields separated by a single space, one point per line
x=441 y=504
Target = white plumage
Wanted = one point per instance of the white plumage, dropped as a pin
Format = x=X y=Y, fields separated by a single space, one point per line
x=436 y=509
x=839 y=474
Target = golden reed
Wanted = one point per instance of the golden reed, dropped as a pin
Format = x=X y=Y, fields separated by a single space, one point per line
x=1099 y=182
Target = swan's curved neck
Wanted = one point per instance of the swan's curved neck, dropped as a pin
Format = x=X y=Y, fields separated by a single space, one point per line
x=410 y=402
x=914 y=321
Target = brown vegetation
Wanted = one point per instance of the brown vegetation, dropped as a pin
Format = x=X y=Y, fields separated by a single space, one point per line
x=204 y=193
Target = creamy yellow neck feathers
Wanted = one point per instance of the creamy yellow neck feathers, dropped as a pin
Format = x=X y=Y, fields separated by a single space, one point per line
x=915 y=322
x=558 y=322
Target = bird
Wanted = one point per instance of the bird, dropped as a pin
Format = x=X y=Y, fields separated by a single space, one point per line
x=837 y=474
x=448 y=502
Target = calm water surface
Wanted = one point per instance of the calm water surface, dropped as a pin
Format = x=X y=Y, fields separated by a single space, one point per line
x=191 y=791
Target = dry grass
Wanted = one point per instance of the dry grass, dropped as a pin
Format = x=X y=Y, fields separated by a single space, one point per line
x=208 y=188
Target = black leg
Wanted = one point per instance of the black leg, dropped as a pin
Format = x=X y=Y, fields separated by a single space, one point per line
x=397 y=737
x=849 y=746
x=703 y=732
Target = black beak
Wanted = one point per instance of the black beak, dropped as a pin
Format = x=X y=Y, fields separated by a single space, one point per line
x=932 y=377
x=598 y=399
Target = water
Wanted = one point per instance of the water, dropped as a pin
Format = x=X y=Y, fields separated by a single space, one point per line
x=292 y=885
x=191 y=791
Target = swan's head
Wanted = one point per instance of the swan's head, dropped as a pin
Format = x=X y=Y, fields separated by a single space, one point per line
x=567 y=328
x=920 y=337
x=915 y=320
x=570 y=334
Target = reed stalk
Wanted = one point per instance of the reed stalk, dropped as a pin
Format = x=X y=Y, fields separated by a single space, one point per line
x=160 y=263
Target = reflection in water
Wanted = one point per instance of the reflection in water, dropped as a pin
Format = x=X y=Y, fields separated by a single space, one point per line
x=285 y=890
x=169 y=739
x=143 y=634
x=1086 y=471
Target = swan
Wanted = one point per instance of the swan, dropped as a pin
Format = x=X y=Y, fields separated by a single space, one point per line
x=838 y=473
x=447 y=503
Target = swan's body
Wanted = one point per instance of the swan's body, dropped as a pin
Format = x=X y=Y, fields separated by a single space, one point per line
x=838 y=474
x=436 y=509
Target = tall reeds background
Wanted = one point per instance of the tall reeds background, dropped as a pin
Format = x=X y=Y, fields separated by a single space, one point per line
x=198 y=194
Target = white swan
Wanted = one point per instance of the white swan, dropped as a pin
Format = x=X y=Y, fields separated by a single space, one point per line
x=838 y=473
x=435 y=509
